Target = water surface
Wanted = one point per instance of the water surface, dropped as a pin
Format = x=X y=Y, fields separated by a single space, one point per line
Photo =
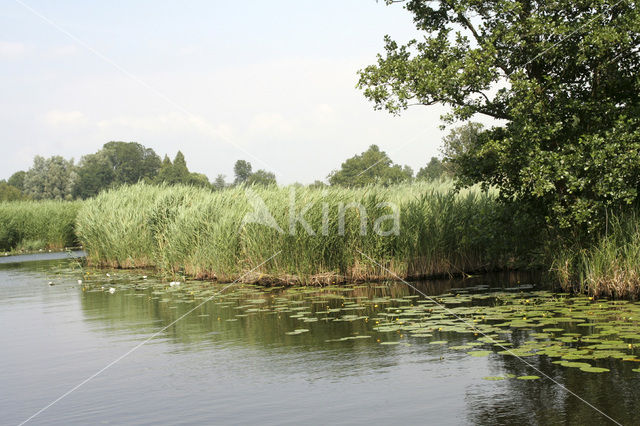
x=279 y=356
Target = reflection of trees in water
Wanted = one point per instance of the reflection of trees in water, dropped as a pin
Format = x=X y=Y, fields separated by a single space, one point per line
x=142 y=311
x=508 y=401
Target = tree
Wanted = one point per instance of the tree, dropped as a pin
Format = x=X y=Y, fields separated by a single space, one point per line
x=17 y=180
x=198 y=179
x=165 y=173
x=242 y=171
x=9 y=192
x=50 y=178
x=219 y=184
x=370 y=167
x=177 y=173
x=562 y=78
x=95 y=173
x=434 y=170
x=131 y=162
x=180 y=171
x=318 y=184
x=261 y=177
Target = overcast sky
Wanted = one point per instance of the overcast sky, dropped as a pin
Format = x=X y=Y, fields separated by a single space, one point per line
x=272 y=82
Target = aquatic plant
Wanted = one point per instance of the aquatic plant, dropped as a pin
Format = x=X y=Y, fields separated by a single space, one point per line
x=415 y=230
x=609 y=266
x=34 y=225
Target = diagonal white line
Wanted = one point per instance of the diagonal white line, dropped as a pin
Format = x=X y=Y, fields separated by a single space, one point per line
x=568 y=35
x=473 y=327
x=147 y=340
x=141 y=82
x=403 y=146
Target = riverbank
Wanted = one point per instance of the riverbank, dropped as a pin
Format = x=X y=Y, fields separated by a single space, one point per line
x=300 y=235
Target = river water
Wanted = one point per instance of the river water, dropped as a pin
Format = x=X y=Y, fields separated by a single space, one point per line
x=148 y=352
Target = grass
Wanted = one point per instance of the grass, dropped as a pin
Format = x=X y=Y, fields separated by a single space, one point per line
x=34 y=225
x=610 y=267
x=200 y=233
x=196 y=232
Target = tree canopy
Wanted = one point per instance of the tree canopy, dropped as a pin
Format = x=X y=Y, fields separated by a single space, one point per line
x=9 y=192
x=50 y=178
x=242 y=171
x=434 y=170
x=561 y=76
x=245 y=175
x=370 y=167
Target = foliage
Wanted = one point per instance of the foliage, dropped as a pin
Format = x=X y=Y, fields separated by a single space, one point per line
x=318 y=184
x=131 y=162
x=17 y=180
x=610 y=267
x=244 y=175
x=242 y=171
x=261 y=177
x=51 y=223
x=9 y=192
x=205 y=234
x=117 y=163
x=370 y=167
x=50 y=178
x=177 y=173
x=434 y=170
x=95 y=173
x=219 y=183
x=562 y=77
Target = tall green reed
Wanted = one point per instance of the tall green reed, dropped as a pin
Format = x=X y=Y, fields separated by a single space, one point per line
x=28 y=225
x=413 y=230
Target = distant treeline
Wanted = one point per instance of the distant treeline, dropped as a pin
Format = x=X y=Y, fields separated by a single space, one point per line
x=116 y=164
x=126 y=163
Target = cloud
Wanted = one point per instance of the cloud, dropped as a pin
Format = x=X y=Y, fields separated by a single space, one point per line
x=323 y=114
x=64 y=118
x=9 y=49
x=170 y=122
x=271 y=124
x=66 y=50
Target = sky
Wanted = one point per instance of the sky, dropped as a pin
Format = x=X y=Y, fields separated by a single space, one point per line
x=270 y=82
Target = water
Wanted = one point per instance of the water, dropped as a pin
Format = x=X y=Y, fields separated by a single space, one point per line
x=231 y=360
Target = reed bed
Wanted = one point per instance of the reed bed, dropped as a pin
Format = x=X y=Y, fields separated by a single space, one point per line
x=34 y=225
x=224 y=235
x=608 y=267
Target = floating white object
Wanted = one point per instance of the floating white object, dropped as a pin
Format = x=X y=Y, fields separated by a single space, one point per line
x=108 y=274
x=144 y=277
x=112 y=290
x=174 y=283
x=50 y=282
x=79 y=281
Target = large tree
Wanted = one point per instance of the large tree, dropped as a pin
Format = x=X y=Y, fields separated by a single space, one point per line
x=95 y=173
x=9 y=192
x=50 y=178
x=131 y=162
x=370 y=167
x=434 y=170
x=117 y=163
x=242 y=171
x=17 y=180
x=562 y=77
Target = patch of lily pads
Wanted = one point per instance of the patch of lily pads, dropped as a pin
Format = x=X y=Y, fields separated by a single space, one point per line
x=574 y=332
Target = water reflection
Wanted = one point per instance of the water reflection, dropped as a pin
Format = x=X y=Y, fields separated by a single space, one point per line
x=231 y=359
